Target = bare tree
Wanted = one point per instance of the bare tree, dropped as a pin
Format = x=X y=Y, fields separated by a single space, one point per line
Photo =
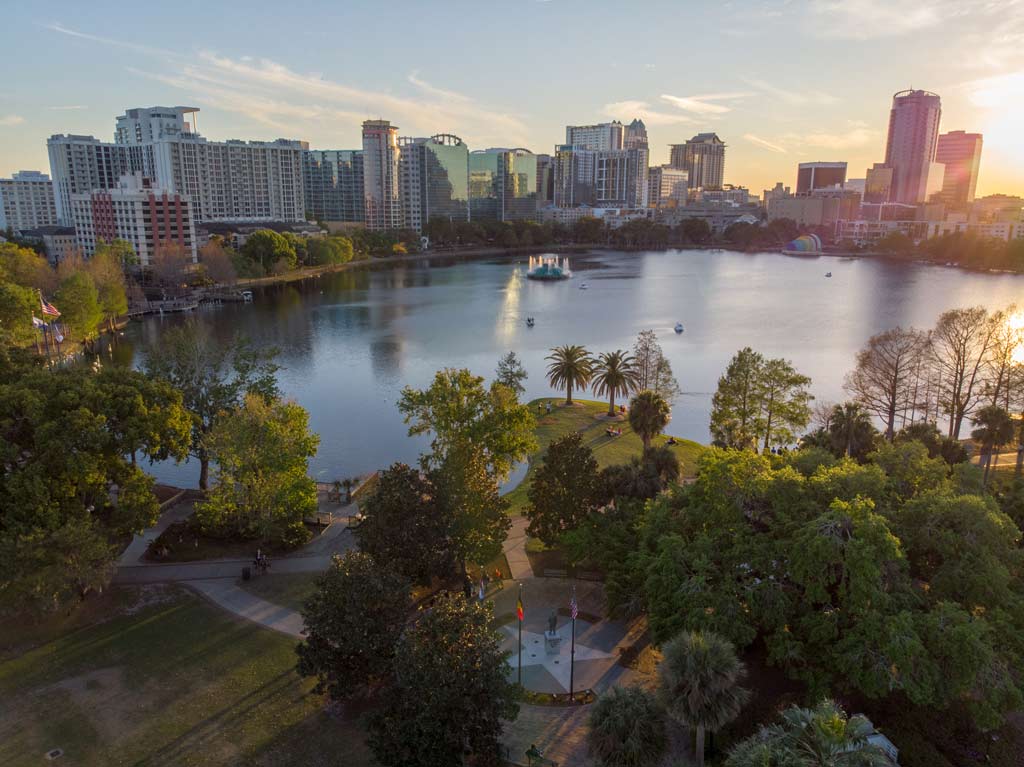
x=885 y=378
x=653 y=368
x=961 y=347
x=217 y=262
x=1007 y=341
x=170 y=265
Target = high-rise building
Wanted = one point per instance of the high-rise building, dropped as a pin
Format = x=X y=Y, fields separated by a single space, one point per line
x=819 y=175
x=225 y=181
x=434 y=176
x=598 y=138
x=635 y=135
x=778 y=192
x=136 y=211
x=912 y=141
x=381 y=178
x=612 y=178
x=960 y=153
x=332 y=180
x=502 y=184
x=878 y=183
x=703 y=157
x=667 y=186
x=26 y=201
x=545 y=180
x=79 y=164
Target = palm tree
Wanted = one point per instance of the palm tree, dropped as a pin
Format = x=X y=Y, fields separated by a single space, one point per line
x=851 y=429
x=571 y=367
x=349 y=483
x=615 y=373
x=699 y=683
x=994 y=428
x=649 y=414
x=818 y=737
x=627 y=728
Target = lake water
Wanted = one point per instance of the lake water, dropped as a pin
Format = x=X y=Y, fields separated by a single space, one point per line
x=350 y=341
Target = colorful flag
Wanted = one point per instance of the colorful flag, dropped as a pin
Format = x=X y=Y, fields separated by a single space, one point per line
x=58 y=337
x=48 y=309
x=481 y=591
x=37 y=323
x=573 y=607
x=519 y=608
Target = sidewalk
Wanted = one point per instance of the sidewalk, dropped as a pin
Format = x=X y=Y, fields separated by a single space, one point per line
x=515 y=550
x=227 y=595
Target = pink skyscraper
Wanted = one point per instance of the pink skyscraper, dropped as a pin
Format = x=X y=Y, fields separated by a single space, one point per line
x=910 y=149
x=960 y=152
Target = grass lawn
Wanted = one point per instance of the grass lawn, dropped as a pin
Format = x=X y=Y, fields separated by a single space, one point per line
x=170 y=681
x=586 y=417
x=286 y=590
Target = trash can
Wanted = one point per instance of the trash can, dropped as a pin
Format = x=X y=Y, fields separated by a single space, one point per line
x=246 y=573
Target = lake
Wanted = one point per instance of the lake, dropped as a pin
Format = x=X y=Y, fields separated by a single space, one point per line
x=350 y=341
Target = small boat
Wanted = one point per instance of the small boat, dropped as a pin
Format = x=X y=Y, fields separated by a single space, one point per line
x=679 y=327
x=529 y=322
x=828 y=274
x=584 y=286
x=247 y=296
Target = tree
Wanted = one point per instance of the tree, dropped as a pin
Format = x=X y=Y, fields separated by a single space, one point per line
x=78 y=302
x=627 y=728
x=106 y=268
x=216 y=260
x=353 y=622
x=170 y=266
x=511 y=373
x=17 y=307
x=820 y=737
x=213 y=378
x=448 y=669
x=457 y=411
x=961 y=343
x=67 y=489
x=699 y=683
x=851 y=430
x=993 y=428
x=269 y=248
x=564 y=490
x=571 y=367
x=329 y=251
x=25 y=267
x=653 y=369
x=736 y=412
x=262 y=487
x=885 y=376
x=649 y=414
x=784 y=401
x=614 y=373
x=405 y=527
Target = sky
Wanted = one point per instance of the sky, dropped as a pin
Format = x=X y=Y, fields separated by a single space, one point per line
x=780 y=81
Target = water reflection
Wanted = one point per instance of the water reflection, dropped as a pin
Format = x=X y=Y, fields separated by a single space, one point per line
x=350 y=341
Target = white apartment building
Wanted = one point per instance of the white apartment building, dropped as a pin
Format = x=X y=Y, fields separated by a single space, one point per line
x=598 y=138
x=26 y=201
x=667 y=186
x=138 y=212
x=79 y=164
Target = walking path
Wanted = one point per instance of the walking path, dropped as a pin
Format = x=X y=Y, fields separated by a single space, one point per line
x=227 y=595
x=514 y=549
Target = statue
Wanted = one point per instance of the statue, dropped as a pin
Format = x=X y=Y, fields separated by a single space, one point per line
x=552 y=621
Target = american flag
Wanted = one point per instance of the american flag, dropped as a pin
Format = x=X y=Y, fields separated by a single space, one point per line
x=48 y=309
x=574 y=609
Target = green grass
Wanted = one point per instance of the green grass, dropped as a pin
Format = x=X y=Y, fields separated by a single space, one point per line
x=177 y=683
x=286 y=590
x=584 y=417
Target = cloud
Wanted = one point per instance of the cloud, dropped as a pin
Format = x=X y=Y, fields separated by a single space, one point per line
x=757 y=140
x=850 y=139
x=704 y=104
x=871 y=19
x=996 y=92
x=68 y=108
x=304 y=105
x=627 y=110
x=791 y=97
x=110 y=42
x=9 y=120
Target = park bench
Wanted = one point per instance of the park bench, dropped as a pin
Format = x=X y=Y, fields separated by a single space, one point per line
x=549 y=573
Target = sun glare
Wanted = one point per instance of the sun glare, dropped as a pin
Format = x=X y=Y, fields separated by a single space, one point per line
x=1016 y=322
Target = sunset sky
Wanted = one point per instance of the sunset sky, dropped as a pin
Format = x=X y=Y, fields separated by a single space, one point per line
x=781 y=82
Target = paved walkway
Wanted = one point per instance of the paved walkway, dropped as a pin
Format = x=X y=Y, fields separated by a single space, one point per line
x=132 y=555
x=242 y=603
x=515 y=550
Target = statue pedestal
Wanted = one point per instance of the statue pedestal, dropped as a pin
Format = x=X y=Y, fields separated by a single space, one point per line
x=552 y=642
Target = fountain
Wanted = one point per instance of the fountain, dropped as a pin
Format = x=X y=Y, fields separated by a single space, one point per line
x=548 y=267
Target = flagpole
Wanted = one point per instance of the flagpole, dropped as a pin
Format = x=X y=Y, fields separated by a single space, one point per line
x=520 y=681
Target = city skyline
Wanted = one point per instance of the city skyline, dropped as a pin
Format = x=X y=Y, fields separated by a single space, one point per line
x=771 y=124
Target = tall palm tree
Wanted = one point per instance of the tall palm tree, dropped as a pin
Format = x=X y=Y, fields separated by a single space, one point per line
x=627 y=728
x=851 y=428
x=994 y=428
x=571 y=367
x=615 y=373
x=818 y=737
x=649 y=414
x=699 y=683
